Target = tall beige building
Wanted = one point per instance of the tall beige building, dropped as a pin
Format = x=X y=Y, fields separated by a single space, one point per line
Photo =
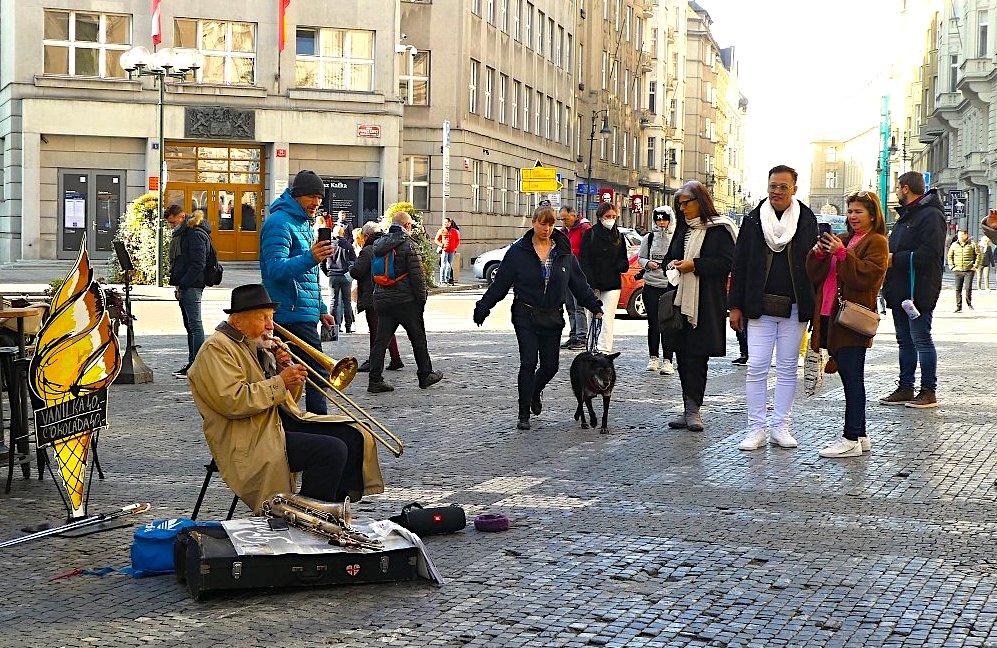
x=702 y=100
x=79 y=138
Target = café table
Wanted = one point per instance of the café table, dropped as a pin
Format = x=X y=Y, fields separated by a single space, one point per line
x=16 y=373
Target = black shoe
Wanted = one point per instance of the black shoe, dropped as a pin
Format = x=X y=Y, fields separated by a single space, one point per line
x=365 y=367
x=970 y=306
x=425 y=382
x=395 y=365
x=537 y=405
x=181 y=372
x=958 y=310
x=524 y=423
x=740 y=362
x=379 y=387
x=567 y=344
x=349 y=329
x=580 y=345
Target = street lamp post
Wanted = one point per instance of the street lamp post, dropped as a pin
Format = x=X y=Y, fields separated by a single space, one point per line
x=603 y=132
x=165 y=64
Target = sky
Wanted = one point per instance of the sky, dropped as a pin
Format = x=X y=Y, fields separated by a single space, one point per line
x=810 y=69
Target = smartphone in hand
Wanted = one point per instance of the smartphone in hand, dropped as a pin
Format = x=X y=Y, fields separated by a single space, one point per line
x=324 y=234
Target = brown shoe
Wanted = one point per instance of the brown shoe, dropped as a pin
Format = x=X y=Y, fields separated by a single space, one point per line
x=900 y=396
x=924 y=399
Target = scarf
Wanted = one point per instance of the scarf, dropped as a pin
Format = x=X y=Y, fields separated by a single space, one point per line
x=687 y=295
x=779 y=232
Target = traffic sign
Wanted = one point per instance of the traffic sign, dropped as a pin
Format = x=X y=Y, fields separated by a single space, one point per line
x=539 y=173
x=539 y=186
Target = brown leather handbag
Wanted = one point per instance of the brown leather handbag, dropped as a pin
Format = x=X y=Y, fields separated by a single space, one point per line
x=856 y=318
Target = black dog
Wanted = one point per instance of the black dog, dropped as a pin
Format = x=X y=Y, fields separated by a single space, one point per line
x=593 y=374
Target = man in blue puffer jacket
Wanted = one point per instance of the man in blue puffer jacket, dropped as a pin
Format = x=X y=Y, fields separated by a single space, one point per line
x=289 y=260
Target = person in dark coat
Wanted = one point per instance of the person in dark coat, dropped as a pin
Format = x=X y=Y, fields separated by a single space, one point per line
x=540 y=269
x=403 y=302
x=772 y=298
x=699 y=260
x=188 y=257
x=369 y=233
x=603 y=258
x=917 y=245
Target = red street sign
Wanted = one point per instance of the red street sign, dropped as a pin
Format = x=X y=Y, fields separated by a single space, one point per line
x=606 y=194
x=365 y=130
x=637 y=203
x=153 y=183
x=281 y=152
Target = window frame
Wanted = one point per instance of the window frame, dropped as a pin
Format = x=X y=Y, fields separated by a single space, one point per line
x=410 y=79
x=228 y=55
x=472 y=87
x=71 y=44
x=409 y=183
x=488 y=91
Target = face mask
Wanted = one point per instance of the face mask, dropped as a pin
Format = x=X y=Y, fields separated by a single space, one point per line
x=661 y=225
x=608 y=223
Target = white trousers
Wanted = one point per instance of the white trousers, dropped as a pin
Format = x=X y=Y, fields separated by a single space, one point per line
x=765 y=334
x=610 y=298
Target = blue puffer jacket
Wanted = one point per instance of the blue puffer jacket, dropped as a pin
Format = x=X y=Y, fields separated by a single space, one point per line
x=290 y=272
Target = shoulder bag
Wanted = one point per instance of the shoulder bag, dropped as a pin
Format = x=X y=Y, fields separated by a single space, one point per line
x=856 y=318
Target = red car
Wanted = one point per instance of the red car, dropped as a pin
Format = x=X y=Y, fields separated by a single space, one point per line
x=632 y=291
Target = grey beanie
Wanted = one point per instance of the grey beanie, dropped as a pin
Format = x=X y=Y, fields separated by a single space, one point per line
x=307 y=183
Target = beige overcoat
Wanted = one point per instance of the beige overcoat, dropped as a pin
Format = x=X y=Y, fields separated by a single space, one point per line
x=239 y=406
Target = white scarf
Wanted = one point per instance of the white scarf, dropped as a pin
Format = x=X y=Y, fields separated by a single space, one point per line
x=779 y=231
x=687 y=295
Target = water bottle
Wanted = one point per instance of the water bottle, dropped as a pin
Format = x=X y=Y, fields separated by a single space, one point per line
x=910 y=309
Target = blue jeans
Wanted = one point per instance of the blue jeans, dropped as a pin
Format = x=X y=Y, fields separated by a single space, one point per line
x=916 y=346
x=577 y=318
x=315 y=402
x=446 y=267
x=190 y=310
x=340 y=285
x=851 y=368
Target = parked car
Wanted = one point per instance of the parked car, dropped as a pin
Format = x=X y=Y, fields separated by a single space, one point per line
x=487 y=264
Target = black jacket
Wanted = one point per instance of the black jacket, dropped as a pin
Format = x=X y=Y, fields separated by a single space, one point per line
x=365 y=283
x=187 y=269
x=603 y=257
x=522 y=271
x=407 y=259
x=919 y=233
x=712 y=267
x=748 y=275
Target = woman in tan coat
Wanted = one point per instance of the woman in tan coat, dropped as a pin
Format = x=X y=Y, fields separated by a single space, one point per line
x=856 y=265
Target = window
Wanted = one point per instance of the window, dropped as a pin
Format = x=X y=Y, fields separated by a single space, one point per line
x=229 y=49
x=550 y=40
x=832 y=154
x=501 y=190
x=489 y=183
x=413 y=83
x=553 y=115
x=654 y=43
x=633 y=158
x=476 y=185
x=602 y=148
x=503 y=83
x=490 y=11
x=528 y=27
x=953 y=71
x=831 y=180
x=652 y=89
x=652 y=153
x=581 y=58
x=627 y=22
x=567 y=126
x=638 y=34
x=605 y=69
x=517 y=8
x=538 y=111
x=476 y=7
x=624 y=152
x=526 y=109
x=489 y=88
x=415 y=180
x=616 y=77
x=626 y=86
x=514 y=109
x=541 y=22
x=472 y=99
x=559 y=46
x=86 y=44
x=568 y=64
x=512 y=187
x=616 y=15
x=982 y=46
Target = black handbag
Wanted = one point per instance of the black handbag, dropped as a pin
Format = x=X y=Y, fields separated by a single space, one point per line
x=776 y=305
x=545 y=319
x=431 y=521
x=669 y=316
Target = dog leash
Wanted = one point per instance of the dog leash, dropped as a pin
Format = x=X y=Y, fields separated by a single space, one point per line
x=595 y=329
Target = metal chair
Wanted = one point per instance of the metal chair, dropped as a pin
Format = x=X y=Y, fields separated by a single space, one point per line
x=211 y=469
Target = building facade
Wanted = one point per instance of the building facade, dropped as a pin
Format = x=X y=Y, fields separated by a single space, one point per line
x=80 y=139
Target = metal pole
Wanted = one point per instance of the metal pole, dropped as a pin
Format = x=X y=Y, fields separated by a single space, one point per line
x=588 y=186
x=159 y=216
x=884 y=153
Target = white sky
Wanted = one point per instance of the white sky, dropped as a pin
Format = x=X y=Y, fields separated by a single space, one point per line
x=810 y=69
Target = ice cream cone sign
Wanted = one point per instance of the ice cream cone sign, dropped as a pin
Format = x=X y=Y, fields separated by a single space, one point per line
x=76 y=358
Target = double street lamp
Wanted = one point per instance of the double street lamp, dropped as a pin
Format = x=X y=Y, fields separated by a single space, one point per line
x=165 y=64
x=604 y=132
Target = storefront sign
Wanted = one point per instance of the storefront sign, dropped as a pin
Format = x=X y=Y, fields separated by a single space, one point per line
x=366 y=130
x=637 y=204
x=606 y=194
x=282 y=153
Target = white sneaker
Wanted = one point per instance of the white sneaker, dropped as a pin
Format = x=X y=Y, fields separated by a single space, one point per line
x=866 y=443
x=783 y=438
x=666 y=368
x=842 y=448
x=652 y=364
x=754 y=440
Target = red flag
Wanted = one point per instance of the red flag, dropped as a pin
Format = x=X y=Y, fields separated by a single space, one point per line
x=282 y=22
x=157 y=24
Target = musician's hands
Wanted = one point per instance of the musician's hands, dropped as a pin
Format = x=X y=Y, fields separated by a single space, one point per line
x=294 y=375
x=321 y=250
x=282 y=356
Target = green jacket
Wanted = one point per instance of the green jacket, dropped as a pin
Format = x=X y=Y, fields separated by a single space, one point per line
x=964 y=256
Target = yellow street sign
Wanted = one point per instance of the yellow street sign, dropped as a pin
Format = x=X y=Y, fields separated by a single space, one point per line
x=538 y=173
x=539 y=186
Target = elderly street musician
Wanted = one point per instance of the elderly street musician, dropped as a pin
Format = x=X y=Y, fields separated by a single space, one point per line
x=247 y=396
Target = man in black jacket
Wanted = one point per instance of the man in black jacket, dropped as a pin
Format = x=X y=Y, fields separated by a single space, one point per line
x=403 y=302
x=188 y=257
x=772 y=297
x=917 y=249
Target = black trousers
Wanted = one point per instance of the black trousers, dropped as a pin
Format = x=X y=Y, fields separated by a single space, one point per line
x=964 y=277
x=542 y=345
x=410 y=316
x=329 y=457
x=692 y=374
x=654 y=339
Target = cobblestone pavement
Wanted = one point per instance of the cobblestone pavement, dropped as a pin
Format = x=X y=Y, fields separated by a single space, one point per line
x=643 y=537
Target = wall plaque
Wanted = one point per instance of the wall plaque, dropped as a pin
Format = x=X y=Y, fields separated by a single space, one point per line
x=204 y=122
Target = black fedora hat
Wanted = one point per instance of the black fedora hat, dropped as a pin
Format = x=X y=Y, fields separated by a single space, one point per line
x=250 y=297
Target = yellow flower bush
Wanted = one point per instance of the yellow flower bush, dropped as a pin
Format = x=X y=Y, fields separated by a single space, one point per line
x=137 y=230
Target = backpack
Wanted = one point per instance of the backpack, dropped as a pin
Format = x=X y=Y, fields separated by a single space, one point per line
x=212 y=269
x=382 y=269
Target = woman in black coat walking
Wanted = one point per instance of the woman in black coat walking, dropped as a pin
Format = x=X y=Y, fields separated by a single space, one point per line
x=603 y=258
x=701 y=251
x=540 y=269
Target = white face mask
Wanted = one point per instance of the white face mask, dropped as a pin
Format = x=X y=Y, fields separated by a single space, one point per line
x=608 y=223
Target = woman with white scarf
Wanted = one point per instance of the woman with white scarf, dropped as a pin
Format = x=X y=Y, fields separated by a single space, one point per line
x=771 y=295
x=698 y=261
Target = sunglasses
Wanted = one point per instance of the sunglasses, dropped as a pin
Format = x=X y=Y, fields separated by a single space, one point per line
x=779 y=187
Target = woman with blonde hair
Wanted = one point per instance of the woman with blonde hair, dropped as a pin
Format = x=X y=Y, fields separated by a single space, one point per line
x=851 y=268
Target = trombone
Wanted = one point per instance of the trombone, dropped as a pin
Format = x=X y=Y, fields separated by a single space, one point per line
x=340 y=376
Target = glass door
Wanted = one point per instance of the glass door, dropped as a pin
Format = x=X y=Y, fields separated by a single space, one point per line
x=90 y=203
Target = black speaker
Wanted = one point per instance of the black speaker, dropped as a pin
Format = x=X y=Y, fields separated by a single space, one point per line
x=124 y=259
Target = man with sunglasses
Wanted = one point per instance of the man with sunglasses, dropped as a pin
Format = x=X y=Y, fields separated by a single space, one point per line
x=914 y=276
x=772 y=299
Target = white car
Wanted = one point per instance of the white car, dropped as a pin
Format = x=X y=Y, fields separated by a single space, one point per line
x=487 y=264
